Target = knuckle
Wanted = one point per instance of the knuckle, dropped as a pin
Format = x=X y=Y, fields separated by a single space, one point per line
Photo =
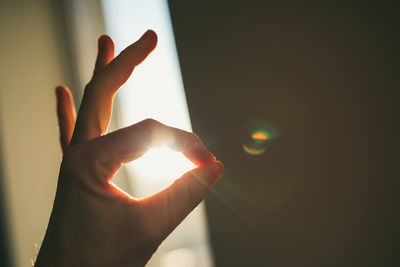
x=193 y=139
x=150 y=121
x=149 y=129
x=72 y=160
x=90 y=86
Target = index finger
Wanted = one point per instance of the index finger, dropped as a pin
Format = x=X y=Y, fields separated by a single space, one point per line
x=132 y=142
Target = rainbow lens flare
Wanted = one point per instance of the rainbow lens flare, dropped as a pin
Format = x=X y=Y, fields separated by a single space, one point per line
x=256 y=143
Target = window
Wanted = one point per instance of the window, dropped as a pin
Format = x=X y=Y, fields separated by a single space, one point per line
x=156 y=91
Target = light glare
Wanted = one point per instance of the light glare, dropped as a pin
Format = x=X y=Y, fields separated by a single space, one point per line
x=162 y=163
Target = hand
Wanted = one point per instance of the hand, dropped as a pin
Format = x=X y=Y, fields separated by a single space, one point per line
x=93 y=223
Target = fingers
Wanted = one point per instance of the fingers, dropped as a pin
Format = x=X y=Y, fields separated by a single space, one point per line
x=174 y=203
x=132 y=142
x=105 y=53
x=94 y=114
x=65 y=106
x=66 y=115
x=120 y=69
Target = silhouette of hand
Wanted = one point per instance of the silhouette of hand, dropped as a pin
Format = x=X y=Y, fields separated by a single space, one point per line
x=93 y=223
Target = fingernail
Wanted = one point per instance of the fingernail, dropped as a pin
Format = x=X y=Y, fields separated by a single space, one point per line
x=213 y=172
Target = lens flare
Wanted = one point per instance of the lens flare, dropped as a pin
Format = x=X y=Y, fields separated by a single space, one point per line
x=256 y=143
x=261 y=135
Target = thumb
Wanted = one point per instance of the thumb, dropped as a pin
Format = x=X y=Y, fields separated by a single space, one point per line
x=171 y=205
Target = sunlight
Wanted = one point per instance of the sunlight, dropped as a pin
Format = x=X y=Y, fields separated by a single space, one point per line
x=162 y=163
x=157 y=169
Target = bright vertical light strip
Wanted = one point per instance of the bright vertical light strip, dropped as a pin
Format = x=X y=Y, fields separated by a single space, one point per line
x=156 y=91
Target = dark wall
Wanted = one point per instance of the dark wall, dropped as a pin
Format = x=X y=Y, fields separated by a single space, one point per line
x=324 y=77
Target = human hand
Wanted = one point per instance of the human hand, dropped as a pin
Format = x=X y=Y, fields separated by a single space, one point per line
x=93 y=223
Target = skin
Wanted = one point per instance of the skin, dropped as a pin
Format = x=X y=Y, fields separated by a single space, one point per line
x=93 y=223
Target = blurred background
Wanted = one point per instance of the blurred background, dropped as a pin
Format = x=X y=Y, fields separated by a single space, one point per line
x=299 y=99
